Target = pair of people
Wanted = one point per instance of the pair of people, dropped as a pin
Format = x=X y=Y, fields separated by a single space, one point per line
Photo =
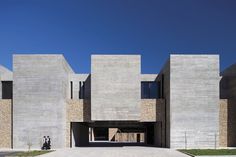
x=46 y=143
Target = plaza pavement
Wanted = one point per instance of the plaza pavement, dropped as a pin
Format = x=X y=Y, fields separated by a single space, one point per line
x=115 y=152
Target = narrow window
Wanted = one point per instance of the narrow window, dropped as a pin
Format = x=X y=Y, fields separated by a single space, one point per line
x=6 y=89
x=159 y=89
x=162 y=86
x=80 y=90
x=83 y=89
x=71 y=89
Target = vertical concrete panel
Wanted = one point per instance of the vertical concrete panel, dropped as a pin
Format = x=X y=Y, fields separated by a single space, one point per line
x=115 y=90
x=76 y=79
x=40 y=90
x=194 y=101
x=164 y=79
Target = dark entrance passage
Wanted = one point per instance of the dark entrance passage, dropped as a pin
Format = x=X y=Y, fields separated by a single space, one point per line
x=108 y=134
x=100 y=134
x=150 y=134
x=79 y=134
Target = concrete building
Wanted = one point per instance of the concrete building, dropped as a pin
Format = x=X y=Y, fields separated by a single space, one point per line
x=187 y=105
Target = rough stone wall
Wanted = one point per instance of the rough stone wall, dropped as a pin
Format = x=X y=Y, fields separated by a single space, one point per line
x=129 y=137
x=223 y=130
x=76 y=111
x=148 y=110
x=5 y=123
x=194 y=101
x=115 y=87
x=228 y=91
x=152 y=110
x=40 y=91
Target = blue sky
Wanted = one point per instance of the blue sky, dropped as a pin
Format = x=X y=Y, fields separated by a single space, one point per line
x=152 y=28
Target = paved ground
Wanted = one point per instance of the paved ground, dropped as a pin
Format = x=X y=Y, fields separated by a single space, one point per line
x=7 y=153
x=115 y=152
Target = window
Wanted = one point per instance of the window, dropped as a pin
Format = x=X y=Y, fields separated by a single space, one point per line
x=6 y=89
x=71 y=89
x=149 y=90
x=81 y=89
x=162 y=86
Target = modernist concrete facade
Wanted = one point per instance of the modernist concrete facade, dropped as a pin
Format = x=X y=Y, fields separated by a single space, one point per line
x=187 y=105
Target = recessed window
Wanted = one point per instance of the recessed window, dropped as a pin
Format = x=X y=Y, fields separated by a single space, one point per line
x=81 y=89
x=71 y=89
x=149 y=90
x=6 y=89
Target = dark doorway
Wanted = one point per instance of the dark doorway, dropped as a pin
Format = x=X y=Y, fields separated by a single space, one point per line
x=101 y=134
x=79 y=134
x=138 y=138
x=150 y=134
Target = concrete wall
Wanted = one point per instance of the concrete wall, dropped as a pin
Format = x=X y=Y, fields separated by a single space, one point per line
x=194 y=101
x=115 y=87
x=5 y=123
x=40 y=90
x=5 y=74
x=76 y=79
x=164 y=79
x=149 y=77
x=148 y=110
x=76 y=111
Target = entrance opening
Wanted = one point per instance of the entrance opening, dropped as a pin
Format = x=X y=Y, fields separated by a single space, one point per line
x=122 y=135
x=100 y=134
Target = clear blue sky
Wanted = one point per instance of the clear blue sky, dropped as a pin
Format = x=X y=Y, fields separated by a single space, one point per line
x=152 y=28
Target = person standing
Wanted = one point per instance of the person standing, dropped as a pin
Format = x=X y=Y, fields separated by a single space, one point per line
x=49 y=142
x=44 y=143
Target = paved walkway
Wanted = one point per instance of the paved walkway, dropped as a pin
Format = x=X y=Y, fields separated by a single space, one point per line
x=7 y=153
x=115 y=152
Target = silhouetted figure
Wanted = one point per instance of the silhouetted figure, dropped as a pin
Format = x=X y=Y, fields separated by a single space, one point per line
x=48 y=142
x=44 y=147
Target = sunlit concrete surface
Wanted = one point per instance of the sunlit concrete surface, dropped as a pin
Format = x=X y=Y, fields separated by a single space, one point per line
x=115 y=152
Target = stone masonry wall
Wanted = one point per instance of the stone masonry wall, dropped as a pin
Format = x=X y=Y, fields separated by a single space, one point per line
x=148 y=110
x=151 y=110
x=76 y=111
x=5 y=123
x=223 y=129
